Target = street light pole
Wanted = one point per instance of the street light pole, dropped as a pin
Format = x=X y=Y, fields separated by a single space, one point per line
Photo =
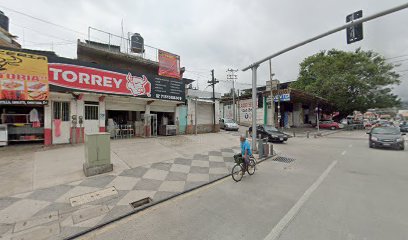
x=254 y=99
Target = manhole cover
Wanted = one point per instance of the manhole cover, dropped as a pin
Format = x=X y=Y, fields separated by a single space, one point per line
x=141 y=202
x=284 y=159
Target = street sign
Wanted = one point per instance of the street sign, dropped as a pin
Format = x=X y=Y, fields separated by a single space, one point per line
x=354 y=33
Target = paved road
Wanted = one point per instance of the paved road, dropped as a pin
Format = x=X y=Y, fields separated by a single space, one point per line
x=337 y=188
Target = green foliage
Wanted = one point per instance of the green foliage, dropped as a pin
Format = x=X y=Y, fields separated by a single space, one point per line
x=351 y=80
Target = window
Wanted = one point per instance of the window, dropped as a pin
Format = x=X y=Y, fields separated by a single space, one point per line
x=61 y=110
x=91 y=112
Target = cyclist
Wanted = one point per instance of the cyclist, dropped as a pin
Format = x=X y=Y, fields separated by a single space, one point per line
x=245 y=151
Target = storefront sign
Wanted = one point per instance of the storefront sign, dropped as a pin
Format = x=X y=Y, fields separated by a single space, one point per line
x=119 y=82
x=282 y=95
x=169 y=64
x=23 y=78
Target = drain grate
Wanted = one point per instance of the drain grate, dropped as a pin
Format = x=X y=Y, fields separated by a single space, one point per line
x=141 y=202
x=284 y=159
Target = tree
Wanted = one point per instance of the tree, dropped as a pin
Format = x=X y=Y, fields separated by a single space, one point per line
x=350 y=80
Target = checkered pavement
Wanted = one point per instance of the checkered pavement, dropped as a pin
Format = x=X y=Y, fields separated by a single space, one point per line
x=48 y=213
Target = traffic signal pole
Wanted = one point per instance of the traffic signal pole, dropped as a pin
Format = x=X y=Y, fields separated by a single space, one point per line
x=254 y=66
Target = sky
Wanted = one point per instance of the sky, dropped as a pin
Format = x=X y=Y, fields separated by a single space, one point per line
x=215 y=34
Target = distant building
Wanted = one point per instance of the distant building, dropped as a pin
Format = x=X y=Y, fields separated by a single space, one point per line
x=6 y=38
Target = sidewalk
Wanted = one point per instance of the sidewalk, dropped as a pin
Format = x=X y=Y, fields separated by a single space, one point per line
x=60 y=201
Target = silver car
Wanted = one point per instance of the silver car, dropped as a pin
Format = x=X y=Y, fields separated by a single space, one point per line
x=228 y=124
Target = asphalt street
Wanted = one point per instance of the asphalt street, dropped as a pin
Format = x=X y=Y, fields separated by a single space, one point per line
x=336 y=188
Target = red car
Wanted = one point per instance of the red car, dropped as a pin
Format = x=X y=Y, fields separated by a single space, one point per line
x=329 y=124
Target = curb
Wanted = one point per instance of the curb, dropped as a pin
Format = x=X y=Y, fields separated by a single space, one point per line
x=79 y=234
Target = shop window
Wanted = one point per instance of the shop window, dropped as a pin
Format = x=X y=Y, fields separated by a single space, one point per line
x=61 y=110
x=91 y=112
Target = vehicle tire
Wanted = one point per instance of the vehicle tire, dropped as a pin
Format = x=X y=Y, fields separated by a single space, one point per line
x=251 y=167
x=402 y=148
x=237 y=172
x=332 y=128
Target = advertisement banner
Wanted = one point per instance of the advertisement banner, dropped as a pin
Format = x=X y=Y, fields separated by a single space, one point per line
x=120 y=82
x=169 y=64
x=23 y=78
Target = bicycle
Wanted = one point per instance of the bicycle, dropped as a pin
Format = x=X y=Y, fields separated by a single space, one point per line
x=238 y=170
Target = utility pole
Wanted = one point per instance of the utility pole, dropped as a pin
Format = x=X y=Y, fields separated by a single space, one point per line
x=232 y=76
x=238 y=115
x=212 y=83
x=272 y=111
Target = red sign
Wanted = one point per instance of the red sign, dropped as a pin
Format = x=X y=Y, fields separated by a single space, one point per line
x=98 y=80
x=169 y=64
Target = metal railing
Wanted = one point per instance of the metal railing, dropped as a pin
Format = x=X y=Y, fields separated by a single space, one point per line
x=116 y=43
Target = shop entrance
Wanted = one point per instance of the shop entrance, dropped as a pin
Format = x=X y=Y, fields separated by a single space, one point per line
x=61 y=122
x=21 y=124
x=91 y=122
x=165 y=123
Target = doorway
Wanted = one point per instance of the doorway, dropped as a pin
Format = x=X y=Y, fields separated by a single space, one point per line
x=91 y=113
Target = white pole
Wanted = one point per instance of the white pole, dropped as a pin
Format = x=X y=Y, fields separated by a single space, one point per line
x=254 y=99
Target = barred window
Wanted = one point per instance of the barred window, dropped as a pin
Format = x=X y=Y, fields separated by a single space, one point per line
x=91 y=112
x=61 y=110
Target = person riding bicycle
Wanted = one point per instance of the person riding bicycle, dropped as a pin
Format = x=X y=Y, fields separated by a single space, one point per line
x=245 y=150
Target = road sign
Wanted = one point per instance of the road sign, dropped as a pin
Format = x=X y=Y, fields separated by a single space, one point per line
x=354 y=33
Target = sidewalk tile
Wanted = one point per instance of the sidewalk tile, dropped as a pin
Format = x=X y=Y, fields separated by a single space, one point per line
x=148 y=184
x=180 y=168
x=35 y=221
x=200 y=163
x=97 y=181
x=214 y=153
x=76 y=191
x=155 y=174
x=123 y=183
x=50 y=194
x=203 y=170
x=7 y=201
x=134 y=172
x=162 y=166
x=216 y=158
x=183 y=161
x=216 y=176
x=172 y=186
x=162 y=195
x=21 y=195
x=217 y=164
x=218 y=170
x=135 y=195
x=176 y=176
x=21 y=210
x=197 y=177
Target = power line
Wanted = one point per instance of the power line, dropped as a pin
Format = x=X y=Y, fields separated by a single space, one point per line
x=44 y=21
x=48 y=35
x=405 y=55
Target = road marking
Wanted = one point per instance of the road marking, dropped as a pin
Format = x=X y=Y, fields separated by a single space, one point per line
x=344 y=152
x=283 y=223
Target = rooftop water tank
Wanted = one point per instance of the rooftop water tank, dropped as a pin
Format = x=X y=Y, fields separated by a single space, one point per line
x=4 y=21
x=137 y=43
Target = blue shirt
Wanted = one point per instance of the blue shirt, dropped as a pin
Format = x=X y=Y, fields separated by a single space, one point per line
x=246 y=146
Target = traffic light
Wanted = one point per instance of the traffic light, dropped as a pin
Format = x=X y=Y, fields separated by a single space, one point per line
x=354 y=33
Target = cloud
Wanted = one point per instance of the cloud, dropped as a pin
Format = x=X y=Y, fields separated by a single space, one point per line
x=217 y=34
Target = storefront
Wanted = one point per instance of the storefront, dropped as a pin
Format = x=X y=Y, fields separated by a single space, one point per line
x=23 y=95
x=87 y=98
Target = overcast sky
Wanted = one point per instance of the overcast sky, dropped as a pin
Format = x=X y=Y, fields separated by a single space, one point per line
x=216 y=34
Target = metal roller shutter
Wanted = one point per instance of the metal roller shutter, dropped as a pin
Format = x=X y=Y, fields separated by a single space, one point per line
x=204 y=113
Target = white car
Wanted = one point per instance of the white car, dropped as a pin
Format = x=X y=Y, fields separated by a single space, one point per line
x=228 y=124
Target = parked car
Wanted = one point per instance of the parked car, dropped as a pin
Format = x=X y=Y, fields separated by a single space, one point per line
x=228 y=124
x=386 y=137
x=270 y=132
x=330 y=124
x=404 y=127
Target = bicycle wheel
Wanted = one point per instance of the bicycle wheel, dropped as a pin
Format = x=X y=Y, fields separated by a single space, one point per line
x=251 y=167
x=237 y=173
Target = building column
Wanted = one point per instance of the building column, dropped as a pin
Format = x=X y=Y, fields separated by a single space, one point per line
x=102 y=114
x=48 y=124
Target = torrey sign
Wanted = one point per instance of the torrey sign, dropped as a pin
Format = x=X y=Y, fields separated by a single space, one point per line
x=86 y=78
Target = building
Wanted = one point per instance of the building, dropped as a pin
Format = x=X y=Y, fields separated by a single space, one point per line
x=295 y=108
x=6 y=38
x=200 y=111
x=56 y=100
